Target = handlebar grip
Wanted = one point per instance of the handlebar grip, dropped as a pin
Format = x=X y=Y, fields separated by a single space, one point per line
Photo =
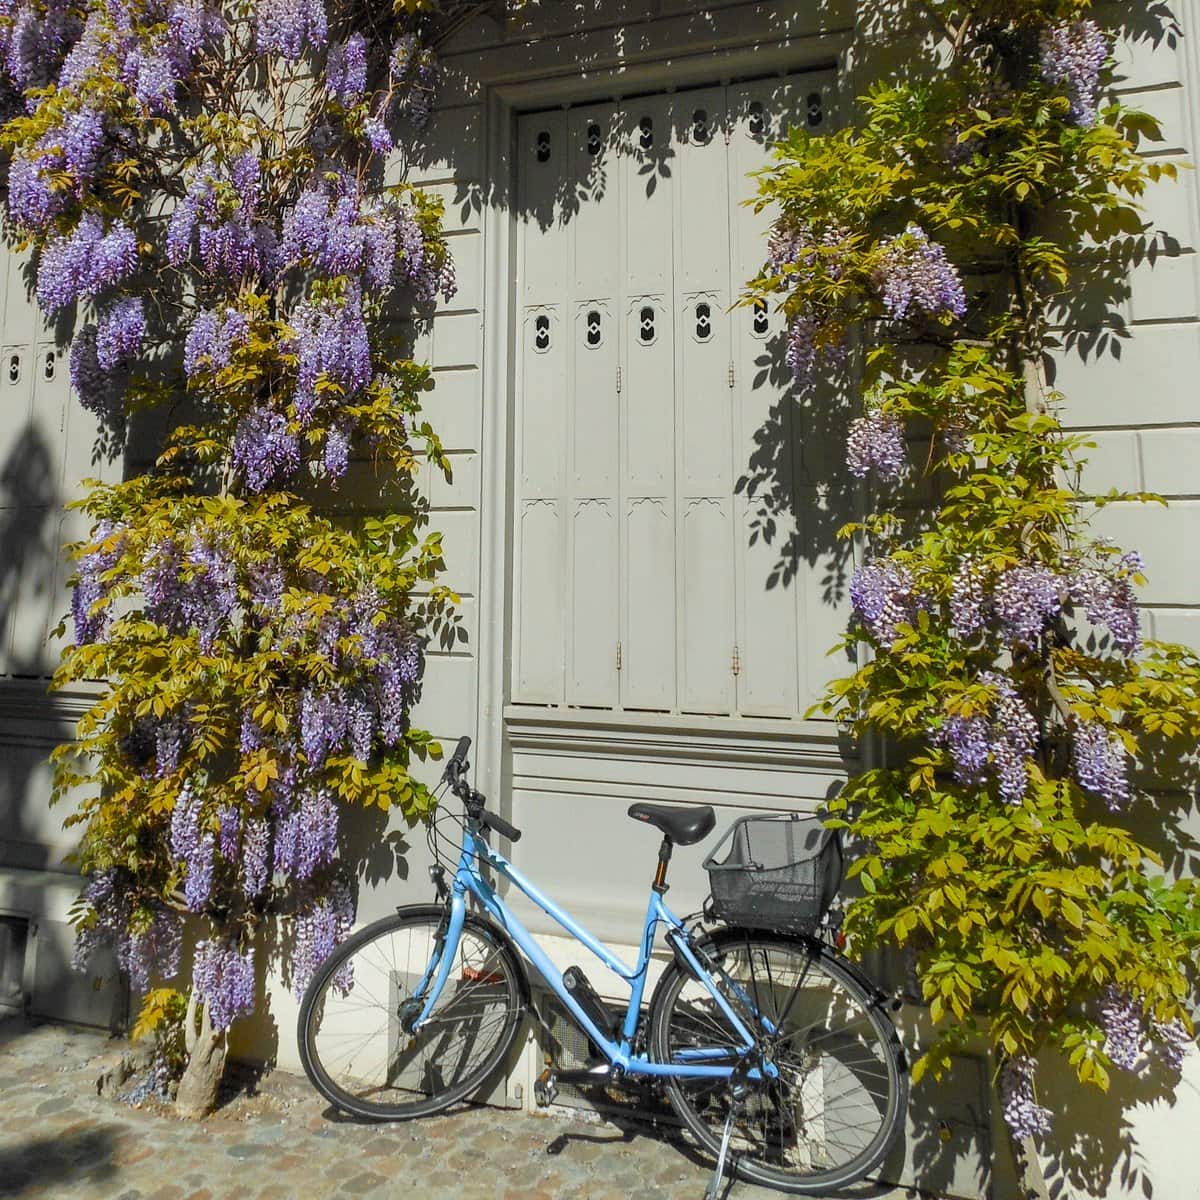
x=501 y=826
x=454 y=764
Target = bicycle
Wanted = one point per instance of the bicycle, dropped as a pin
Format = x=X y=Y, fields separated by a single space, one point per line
x=775 y=1052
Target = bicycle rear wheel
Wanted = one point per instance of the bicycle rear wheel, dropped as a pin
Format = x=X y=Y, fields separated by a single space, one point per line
x=353 y=1043
x=841 y=1093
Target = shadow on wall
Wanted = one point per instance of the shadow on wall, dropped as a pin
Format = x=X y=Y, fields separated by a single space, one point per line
x=30 y=512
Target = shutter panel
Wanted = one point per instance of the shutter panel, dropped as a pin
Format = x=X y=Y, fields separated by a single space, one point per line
x=648 y=409
x=703 y=413
x=592 y=398
x=767 y=539
x=541 y=434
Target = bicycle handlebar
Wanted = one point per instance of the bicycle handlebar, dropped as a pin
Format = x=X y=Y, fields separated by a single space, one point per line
x=500 y=825
x=456 y=768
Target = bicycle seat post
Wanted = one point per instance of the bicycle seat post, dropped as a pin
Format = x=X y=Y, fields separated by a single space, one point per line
x=664 y=857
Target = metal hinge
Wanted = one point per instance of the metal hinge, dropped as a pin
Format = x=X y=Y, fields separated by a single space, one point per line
x=618 y=379
x=737 y=662
x=731 y=372
x=618 y=656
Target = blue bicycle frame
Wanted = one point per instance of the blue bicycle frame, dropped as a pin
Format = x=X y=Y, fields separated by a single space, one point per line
x=620 y=1053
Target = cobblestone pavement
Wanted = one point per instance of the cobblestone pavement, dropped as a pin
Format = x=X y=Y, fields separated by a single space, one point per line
x=59 y=1138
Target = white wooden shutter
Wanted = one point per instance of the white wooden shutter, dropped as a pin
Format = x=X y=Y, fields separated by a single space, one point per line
x=648 y=408
x=644 y=579
x=595 y=234
x=767 y=538
x=703 y=409
x=542 y=415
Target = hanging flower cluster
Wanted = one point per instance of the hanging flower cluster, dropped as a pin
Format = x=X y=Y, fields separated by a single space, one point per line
x=915 y=275
x=1072 y=56
x=1001 y=742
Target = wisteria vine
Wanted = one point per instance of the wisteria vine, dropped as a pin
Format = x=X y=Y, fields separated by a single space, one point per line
x=205 y=190
x=1026 y=726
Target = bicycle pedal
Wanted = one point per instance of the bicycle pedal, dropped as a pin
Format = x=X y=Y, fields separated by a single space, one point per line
x=545 y=1089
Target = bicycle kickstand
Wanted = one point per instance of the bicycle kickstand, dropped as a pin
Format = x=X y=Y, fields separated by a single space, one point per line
x=713 y=1191
x=739 y=1088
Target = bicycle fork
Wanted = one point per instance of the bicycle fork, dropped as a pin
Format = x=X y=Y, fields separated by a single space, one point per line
x=415 y=1011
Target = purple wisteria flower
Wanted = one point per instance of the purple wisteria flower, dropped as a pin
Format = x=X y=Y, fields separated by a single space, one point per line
x=336 y=457
x=101 y=392
x=346 y=70
x=212 y=339
x=154 y=944
x=155 y=79
x=193 y=848
x=1024 y=599
x=915 y=274
x=414 y=69
x=82 y=139
x=1001 y=742
x=91 y=588
x=1171 y=1042
x=1022 y=1113
x=331 y=340
x=876 y=442
x=170 y=739
x=266 y=584
x=801 y=352
x=84 y=57
x=418 y=268
x=228 y=238
x=332 y=719
x=378 y=137
x=155 y=949
x=225 y=979
x=882 y=595
x=85 y=262
x=321 y=924
x=1101 y=764
x=208 y=600
x=1107 y=597
x=1072 y=55
x=256 y=857
x=287 y=27
x=968 y=601
x=1121 y=1017
x=306 y=835
x=32 y=203
x=264 y=450
x=194 y=24
x=120 y=329
x=229 y=828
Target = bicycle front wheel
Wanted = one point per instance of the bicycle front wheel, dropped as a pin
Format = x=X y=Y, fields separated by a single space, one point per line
x=353 y=1040
x=839 y=1099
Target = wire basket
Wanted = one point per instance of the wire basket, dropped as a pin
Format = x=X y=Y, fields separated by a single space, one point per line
x=778 y=872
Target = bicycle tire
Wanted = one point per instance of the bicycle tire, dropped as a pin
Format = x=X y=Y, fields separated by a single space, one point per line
x=817 y=1062
x=353 y=1048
